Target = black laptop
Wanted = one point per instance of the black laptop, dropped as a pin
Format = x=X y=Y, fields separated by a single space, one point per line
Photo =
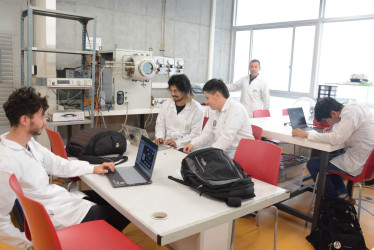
x=139 y=174
x=297 y=120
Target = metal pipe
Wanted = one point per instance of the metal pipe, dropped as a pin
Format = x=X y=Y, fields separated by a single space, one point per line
x=213 y=6
x=162 y=49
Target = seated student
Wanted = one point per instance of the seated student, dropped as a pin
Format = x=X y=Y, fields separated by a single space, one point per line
x=21 y=155
x=227 y=124
x=180 y=118
x=353 y=126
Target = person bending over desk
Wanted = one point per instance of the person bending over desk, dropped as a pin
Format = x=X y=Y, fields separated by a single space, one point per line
x=353 y=126
x=21 y=155
x=181 y=118
x=227 y=124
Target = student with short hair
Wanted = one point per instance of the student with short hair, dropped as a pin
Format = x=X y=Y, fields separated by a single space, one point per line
x=227 y=124
x=353 y=127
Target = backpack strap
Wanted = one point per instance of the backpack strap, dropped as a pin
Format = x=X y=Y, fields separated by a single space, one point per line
x=177 y=180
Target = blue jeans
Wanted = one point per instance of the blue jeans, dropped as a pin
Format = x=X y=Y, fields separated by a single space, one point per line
x=334 y=185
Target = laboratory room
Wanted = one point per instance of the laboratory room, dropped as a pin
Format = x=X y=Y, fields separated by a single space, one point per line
x=173 y=124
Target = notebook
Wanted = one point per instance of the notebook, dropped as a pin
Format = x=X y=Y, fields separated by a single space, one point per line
x=134 y=134
x=139 y=174
x=297 y=120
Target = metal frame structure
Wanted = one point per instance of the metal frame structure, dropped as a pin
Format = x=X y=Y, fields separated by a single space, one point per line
x=29 y=14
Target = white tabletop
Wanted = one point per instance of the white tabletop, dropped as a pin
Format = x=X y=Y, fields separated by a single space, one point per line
x=187 y=212
x=275 y=128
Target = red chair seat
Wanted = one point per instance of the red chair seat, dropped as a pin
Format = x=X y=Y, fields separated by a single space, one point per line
x=94 y=235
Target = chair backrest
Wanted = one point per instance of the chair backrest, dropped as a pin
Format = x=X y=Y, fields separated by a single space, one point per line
x=205 y=121
x=257 y=132
x=284 y=111
x=57 y=145
x=369 y=167
x=44 y=236
x=261 y=113
x=259 y=159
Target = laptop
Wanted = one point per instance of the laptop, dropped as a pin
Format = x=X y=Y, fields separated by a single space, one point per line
x=141 y=173
x=134 y=134
x=297 y=120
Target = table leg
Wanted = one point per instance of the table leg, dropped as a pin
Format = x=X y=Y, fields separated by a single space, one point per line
x=320 y=187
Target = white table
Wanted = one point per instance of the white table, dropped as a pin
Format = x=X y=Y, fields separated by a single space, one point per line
x=278 y=128
x=193 y=221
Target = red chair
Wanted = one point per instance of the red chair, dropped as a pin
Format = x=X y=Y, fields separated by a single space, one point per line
x=89 y=235
x=205 y=121
x=261 y=160
x=58 y=148
x=257 y=132
x=366 y=174
x=284 y=112
x=261 y=113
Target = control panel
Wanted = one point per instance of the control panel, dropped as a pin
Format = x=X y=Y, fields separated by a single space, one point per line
x=69 y=82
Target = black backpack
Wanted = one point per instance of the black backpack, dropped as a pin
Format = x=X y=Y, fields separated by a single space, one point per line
x=94 y=144
x=212 y=172
x=338 y=227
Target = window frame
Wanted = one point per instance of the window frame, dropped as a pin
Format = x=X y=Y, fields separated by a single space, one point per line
x=318 y=23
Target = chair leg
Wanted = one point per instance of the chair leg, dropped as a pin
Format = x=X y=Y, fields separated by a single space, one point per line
x=233 y=234
x=275 y=226
x=359 y=201
x=258 y=215
x=312 y=199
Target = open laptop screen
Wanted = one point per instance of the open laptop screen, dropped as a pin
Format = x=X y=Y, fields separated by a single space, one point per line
x=146 y=156
x=297 y=118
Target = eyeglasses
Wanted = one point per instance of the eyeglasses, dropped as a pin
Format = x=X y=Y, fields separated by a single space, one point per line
x=174 y=91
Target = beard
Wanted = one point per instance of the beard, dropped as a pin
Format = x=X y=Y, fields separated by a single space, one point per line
x=35 y=130
x=175 y=98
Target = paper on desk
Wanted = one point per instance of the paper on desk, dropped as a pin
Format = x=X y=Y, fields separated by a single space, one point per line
x=178 y=171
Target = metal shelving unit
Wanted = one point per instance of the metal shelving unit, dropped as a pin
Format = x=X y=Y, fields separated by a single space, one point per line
x=29 y=49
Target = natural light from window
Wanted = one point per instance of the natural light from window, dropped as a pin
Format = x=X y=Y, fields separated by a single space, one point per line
x=273 y=48
x=269 y=11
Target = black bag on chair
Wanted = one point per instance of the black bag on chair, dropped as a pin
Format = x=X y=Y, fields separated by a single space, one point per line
x=212 y=172
x=94 y=144
x=338 y=227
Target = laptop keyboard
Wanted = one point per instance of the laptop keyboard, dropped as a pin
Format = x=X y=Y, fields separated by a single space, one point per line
x=130 y=175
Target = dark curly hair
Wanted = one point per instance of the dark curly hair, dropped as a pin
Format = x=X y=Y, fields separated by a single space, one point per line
x=182 y=83
x=24 y=101
x=324 y=106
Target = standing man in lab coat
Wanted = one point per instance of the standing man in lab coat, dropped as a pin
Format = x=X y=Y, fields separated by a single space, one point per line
x=353 y=128
x=21 y=155
x=180 y=118
x=227 y=124
x=255 y=92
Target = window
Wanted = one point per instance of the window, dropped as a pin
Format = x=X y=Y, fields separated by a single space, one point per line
x=273 y=48
x=346 y=49
x=302 y=59
x=241 y=54
x=251 y=12
x=340 y=8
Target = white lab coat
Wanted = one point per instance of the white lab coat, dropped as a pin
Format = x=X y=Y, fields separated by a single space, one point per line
x=254 y=96
x=356 y=131
x=31 y=169
x=225 y=128
x=180 y=127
